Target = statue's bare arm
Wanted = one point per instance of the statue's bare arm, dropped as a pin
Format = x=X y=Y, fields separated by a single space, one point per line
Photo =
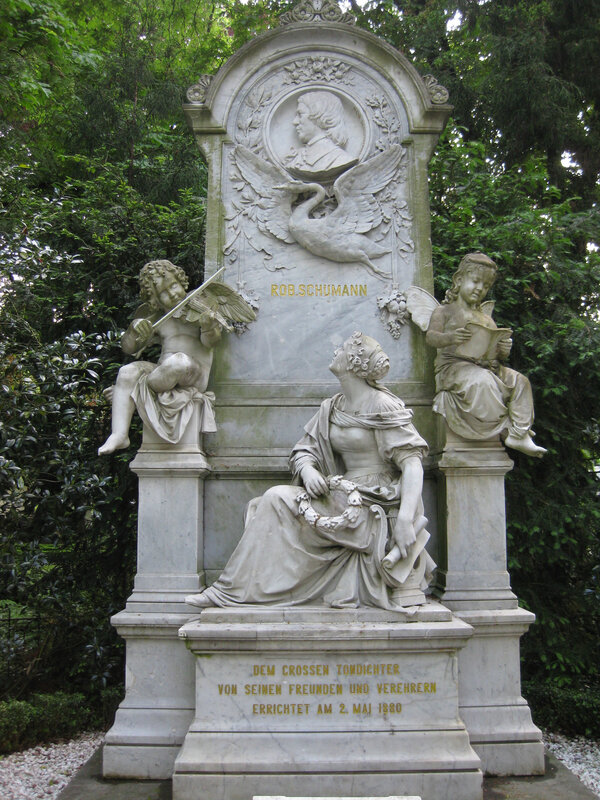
x=437 y=336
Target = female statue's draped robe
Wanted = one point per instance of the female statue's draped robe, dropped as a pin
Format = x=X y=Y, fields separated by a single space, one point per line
x=282 y=560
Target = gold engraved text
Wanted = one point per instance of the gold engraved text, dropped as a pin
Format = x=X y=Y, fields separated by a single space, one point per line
x=390 y=708
x=283 y=709
x=374 y=670
x=406 y=688
x=297 y=670
x=315 y=688
x=262 y=688
x=319 y=290
x=263 y=669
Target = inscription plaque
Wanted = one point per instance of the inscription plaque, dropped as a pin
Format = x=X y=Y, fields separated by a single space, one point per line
x=334 y=693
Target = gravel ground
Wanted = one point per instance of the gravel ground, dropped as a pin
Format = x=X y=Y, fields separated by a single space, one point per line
x=42 y=772
x=581 y=756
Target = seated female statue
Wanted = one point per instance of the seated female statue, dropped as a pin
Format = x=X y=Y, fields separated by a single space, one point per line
x=359 y=466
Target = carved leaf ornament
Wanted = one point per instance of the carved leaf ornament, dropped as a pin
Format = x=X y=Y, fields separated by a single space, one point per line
x=317 y=68
x=385 y=120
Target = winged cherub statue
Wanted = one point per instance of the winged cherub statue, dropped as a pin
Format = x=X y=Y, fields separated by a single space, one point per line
x=188 y=326
x=478 y=395
x=339 y=235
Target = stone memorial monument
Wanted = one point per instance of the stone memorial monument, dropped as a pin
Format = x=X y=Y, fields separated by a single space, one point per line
x=287 y=633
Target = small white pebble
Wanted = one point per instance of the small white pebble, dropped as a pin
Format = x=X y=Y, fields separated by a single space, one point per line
x=581 y=756
x=42 y=772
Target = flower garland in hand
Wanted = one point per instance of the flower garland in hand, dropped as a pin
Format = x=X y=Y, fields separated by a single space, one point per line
x=324 y=523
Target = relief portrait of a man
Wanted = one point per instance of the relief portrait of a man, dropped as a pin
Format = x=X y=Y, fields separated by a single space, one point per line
x=321 y=128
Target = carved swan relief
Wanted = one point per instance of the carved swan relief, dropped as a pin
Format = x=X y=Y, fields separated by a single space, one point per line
x=284 y=206
x=297 y=203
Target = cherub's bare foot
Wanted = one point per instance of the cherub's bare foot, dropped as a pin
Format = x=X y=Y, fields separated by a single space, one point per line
x=108 y=393
x=525 y=444
x=114 y=442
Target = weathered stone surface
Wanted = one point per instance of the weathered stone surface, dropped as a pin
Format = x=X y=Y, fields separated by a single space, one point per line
x=473 y=581
x=187 y=325
x=248 y=133
x=363 y=703
x=159 y=703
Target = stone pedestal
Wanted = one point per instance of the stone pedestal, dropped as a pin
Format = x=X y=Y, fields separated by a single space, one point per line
x=170 y=520
x=320 y=703
x=497 y=717
x=473 y=581
x=154 y=717
x=152 y=720
x=472 y=563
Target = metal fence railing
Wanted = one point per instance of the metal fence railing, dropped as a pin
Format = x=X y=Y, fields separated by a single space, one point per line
x=20 y=641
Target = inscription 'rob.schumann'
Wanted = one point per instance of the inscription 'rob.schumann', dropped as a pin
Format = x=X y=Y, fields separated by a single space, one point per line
x=319 y=290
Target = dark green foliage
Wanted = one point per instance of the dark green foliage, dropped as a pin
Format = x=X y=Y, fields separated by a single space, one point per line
x=99 y=174
x=66 y=529
x=94 y=184
x=47 y=717
x=42 y=49
x=571 y=710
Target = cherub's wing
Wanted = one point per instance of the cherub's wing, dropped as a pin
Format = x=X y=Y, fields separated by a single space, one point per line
x=269 y=182
x=420 y=305
x=487 y=308
x=221 y=298
x=358 y=211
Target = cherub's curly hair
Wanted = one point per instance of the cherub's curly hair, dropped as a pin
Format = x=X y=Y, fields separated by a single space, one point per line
x=151 y=273
x=366 y=358
x=472 y=262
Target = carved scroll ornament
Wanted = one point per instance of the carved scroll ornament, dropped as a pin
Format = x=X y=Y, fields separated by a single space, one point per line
x=197 y=92
x=317 y=11
x=438 y=93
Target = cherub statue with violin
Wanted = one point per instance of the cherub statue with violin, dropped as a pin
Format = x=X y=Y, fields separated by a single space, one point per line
x=188 y=326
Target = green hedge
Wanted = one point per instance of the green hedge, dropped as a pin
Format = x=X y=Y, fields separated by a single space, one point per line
x=570 y=710
x=47 y=717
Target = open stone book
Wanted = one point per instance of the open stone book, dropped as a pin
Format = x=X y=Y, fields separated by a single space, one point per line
x=483 y=344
